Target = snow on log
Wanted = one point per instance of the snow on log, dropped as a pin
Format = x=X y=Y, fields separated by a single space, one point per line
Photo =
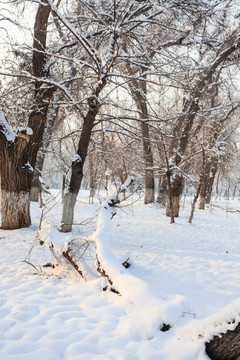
x=223 y=333
x=65 y=248
x=219 y=333
x=156 y=312
x=225 y=347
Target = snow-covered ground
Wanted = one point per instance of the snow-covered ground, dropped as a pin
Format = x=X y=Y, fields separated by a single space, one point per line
x=64 y=317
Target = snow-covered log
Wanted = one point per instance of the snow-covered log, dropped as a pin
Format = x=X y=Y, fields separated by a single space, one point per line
x=155 y=311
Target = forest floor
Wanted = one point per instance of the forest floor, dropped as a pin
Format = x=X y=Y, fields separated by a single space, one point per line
x=61 y=316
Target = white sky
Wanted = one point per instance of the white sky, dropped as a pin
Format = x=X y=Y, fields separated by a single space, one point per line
x=11 y=33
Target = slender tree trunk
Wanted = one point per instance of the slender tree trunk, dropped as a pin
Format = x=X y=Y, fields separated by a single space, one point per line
x=234 y=192
x=52 y=125
x=123 y=177
x=36 y=184
x=162 y=191
x=210 y=183
x=70 y=197
x=149 y=195
x=217 y=186
x=204 y=187
x=138 y=91
x=195 y=199
x=92 y=180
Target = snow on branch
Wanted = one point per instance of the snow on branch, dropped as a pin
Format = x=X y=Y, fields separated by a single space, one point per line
x=88 y=46
x=217 y=324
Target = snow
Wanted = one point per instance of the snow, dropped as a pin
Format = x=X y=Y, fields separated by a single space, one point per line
x=183 y=274
x=29 y=166
x=6 y=129
x=77 y=158
x=27 y=130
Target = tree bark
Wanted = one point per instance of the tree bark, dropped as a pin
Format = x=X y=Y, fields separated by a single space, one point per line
x=148 y=161
x=226 y=347
x=176 y=192
x=15 y=185
x=162 y=191
x=15 y=210
x=204 y=187
x=210 y=182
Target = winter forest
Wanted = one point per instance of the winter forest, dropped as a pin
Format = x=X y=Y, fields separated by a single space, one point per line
x=119 y=179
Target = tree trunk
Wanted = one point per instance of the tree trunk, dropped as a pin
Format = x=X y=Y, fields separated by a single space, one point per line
x=217 y=186
x=210 y=183
x=18 y=153
x=15 y=210
x=162 y=191
x=226 y=347
x=148 y=161
x=36 y=185
x=195 y=198
x=70 y=197
x=52 y=124
x=176 y=192
x=15 y=185
x=203 y=191
x=138 y=91
x=207 y=182
x=92 y=179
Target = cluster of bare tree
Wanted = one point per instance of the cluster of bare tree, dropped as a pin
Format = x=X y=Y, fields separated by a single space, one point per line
x=133 y=86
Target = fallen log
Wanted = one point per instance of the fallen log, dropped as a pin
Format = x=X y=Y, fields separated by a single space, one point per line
x=225 y=346
x=153 y=311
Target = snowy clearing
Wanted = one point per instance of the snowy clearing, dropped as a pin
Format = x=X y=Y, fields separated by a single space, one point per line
x=195 y=266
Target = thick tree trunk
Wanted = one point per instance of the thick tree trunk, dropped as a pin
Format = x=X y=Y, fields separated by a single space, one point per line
x=16 y=174
x=226 y=347
x=18 y=153
x=15 y=210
